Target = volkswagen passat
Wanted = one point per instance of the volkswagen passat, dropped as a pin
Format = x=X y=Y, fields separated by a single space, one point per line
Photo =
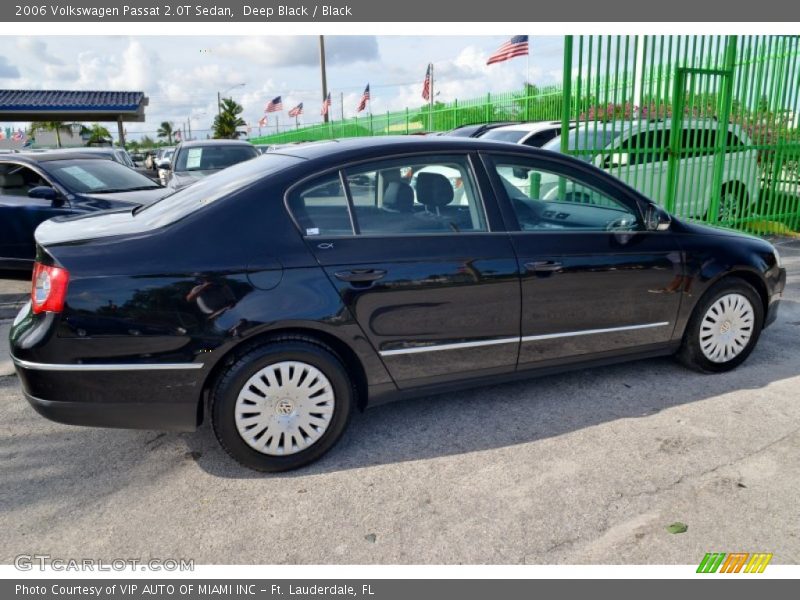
x=279 y=295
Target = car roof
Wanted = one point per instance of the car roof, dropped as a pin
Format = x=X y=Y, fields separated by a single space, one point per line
x=207 y=143
x=533 y=126
x=50 y=156
x=366 y=147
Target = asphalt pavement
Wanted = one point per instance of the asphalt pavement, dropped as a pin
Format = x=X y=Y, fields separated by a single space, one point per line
x=587 y=467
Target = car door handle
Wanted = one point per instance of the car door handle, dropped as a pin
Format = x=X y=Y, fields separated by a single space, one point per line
x=543 y=266
x=361 y=275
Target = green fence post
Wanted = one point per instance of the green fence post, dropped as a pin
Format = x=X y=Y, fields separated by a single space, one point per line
x=488 y=107
x=678 y=91
x=722 y=128
x=566 y=103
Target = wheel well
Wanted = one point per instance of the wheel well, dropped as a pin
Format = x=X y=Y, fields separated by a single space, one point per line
x=756 y=282
x=329 y=342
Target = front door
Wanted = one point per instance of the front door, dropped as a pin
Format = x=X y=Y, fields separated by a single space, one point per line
x=409 y=245
x=593 y=281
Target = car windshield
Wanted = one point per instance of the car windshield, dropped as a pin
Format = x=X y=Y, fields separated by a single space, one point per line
x=585 y=143
x=98 y=176
x=175 y=206
x=212 y=157
x=504 y=135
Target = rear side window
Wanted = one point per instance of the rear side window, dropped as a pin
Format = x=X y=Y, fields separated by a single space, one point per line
x=410 y=196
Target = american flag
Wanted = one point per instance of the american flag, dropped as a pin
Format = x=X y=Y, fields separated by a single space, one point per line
x=364 y=99
x=326 y=105
x=177 y=135
x=516 y=46
x=426 y=85
x=274 y=105
x=262 y=122
x=19 y=136
x=296 y=111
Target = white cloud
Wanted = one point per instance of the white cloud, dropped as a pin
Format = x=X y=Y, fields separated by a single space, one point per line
x=292 y=51
x=38 y=48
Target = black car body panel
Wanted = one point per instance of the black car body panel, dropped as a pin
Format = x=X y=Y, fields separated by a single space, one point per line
x=155 y=312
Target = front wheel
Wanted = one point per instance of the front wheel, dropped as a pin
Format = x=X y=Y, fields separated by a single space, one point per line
x=281 y=406
x=724 y=327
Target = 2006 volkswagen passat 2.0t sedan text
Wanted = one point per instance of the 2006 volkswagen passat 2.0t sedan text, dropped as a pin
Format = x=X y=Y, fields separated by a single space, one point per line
x=279 y=295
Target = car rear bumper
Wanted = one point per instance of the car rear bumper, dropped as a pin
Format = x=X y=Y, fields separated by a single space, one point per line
x=162 y=399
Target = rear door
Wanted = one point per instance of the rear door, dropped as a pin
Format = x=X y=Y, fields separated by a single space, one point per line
x=421 y=261
x=593 y=281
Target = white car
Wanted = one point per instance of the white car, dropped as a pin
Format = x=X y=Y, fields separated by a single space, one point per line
x=535 y=134
x=637 y=152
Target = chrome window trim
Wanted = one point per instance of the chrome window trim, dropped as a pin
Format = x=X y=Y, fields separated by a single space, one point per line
x=512 y=340
x=37 y=366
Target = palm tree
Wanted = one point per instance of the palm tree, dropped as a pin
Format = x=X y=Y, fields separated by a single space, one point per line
x=58 y=127
x=166 y=131
x=98 y=133
x=227 y=122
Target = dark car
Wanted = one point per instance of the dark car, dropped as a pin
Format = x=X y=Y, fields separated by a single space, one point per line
x=476 y=129
x=197 y=159
x=37 y=187
x=274 y=309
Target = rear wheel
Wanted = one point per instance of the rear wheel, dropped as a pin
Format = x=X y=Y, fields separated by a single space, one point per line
x=282 y=406
x=724 y=327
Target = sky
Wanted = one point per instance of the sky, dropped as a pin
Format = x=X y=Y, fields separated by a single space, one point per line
x=181 y=75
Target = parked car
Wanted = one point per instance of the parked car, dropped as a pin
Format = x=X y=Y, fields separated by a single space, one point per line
x=274 y=311
x=197 y=159
x=637 y=152
x=159 y=155
x=164 y=164
x=535 y=134
x=476 y=129
x=37 y=187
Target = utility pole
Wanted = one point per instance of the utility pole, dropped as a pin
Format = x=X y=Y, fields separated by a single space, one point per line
x=323 y=74
x=341 y=103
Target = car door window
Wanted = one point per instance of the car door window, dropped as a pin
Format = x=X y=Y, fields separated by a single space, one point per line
x=320 y=208
x=539 y=139
x=416 y=196
x=544 y=200
x=410 y=196
x=16 y=180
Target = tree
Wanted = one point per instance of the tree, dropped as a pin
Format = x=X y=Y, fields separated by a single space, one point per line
x=166 y=131
x=98 y=134
x=147 y=142
x=227 y=122
x=58 y=127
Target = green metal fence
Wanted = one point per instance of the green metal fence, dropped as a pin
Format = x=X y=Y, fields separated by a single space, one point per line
x=705 y=125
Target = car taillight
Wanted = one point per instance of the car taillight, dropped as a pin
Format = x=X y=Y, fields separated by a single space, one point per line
x=49 y=289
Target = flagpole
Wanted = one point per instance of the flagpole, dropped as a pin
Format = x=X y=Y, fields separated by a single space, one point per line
x=341 y=103
x=430 y=111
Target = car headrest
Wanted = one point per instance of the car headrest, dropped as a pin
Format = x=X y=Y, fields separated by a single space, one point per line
x=11 y=180
x=434 y=190
x=399 y=197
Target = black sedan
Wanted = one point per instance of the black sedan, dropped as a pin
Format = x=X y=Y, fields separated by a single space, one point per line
x=260 y=300
x=37 y=187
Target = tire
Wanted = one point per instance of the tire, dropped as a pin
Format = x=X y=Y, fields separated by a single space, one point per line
x=298 y=422
x=724 y=327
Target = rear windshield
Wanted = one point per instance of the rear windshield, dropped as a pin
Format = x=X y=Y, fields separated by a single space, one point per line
x=500 y=135
x=212 y=157
x=210 y=189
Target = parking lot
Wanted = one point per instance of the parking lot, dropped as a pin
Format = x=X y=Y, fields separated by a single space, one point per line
x=586 y=467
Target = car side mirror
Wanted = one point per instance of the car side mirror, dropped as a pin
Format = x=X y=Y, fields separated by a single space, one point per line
x=43 y=192
x=617 y=159
x=656 y=218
